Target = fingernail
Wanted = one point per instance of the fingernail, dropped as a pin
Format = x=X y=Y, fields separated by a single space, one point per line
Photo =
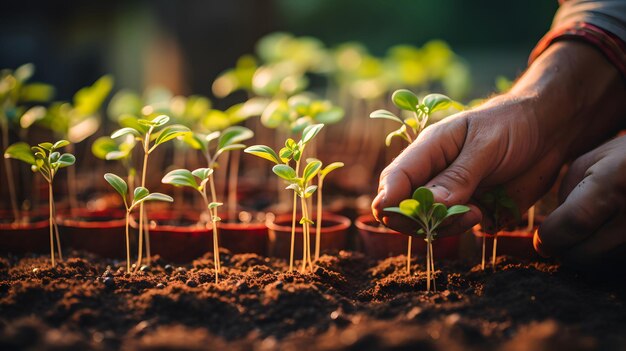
x=440 y=193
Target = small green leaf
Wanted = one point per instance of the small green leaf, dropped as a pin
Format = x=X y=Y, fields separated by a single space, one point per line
x=264 y=152
x=46 y=146
x=400 y=211
x=405 y=100
x=285 y=154
x=425 y=197
x=294 y=186
x=310 y=132
x=213 y=205
x=180 y=177
x=59 y=144
x=54 y=157
x=152 y=197
x=202 y=173
x=160 y=120
x=140 y=193
x=117 y=183
x=127 y=130
x=308 y=192
x=229 y=148
x=386 y=115
x=20 y=151
x=439 y=212
x=331 y=167
x=284 y=171
x=437 y=102
x=410 y=207
x=103 y=146
x=304 y=220
x=396 y=133
x=169 y=133
x=66 y=160
x=456 y=210
x=234 y=135
x=311 y=170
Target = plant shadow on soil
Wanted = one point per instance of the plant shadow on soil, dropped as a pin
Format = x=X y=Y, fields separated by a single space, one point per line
x=348 y=302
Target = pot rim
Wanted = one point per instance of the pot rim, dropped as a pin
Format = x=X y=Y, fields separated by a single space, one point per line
x=361 y=222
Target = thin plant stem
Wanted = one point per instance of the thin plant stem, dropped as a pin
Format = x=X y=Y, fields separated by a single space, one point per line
x=51 y=225
x=127 y=243
x=306 y=239
x=232 y=185
x=56 y=230
x=216 y=246
x=293 y=231
x=495 y=246
x=432 y=263
x=531 y=219
x=482 y=264
x=215 y=253
x=318 y=220
x=427 y=266
x=408 y=255
x=141 y=209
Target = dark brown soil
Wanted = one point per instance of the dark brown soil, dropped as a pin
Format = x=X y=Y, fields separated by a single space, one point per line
x=347 y=303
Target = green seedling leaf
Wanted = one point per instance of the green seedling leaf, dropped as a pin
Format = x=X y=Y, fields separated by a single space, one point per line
x=331 y=167
x=308 y=192
x=310 y=132
x=311 y=170
x=169 y=133
x=180 y=177
x=159 y=120
x=234 y=135
x=229 y=148
x=66 y=160
x=285 y=154
x=411 y=208
x=152 y=197
x=396 y=133
x=284 y=171
x=202 y=173
x=439 y=212
x=334 y=115
x=118 y=184
x=386 y=115
x=294 y=186
x=456 y=210
x=20 y=151
x=425 y=197
x=304 y=220
x=54 y=157
x=140 y=193
x=400 y=211
x=405 y=100
x=124 y=131
x=263 y=151
x=46 y=146
x=103 y=146
x=213 y=205
x=59 y=144
x=212 y=136
x=436 y=102
x=195 y=141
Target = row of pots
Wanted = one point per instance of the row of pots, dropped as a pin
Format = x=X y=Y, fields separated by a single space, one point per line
x=184 y=241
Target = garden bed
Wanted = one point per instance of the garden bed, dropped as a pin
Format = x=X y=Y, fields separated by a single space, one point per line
x=349 y=302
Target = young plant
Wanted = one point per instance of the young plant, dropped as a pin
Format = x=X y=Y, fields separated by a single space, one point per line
x=45 y=159
x=497 y=202
x=419 y=113
x=321 y=175
x=197 y=180
x=140 y=195
x=428 y=214
x=300 y=184
x=146 y=131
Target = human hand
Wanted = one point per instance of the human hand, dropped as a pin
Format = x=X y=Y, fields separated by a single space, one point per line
x=590 y=223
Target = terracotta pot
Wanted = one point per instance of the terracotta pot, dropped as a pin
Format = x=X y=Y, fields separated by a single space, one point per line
x=244 y=237
x=517 y=243
x=176 y=236
x=102 y=232
x=381 y=242
x=334 y=235
x=32 y=236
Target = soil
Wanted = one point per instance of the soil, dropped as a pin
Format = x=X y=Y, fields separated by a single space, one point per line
x=349 y=302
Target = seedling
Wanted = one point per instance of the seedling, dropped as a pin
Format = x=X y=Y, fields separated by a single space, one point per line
x=497 y=202
x=197 y=180
x=140 y=195
x=428 y=214
x=15 y=92
x=119 y=149
x=146 y=132
x=45 y=159
x=321 y=175
x=300 y=184
x=420 y=113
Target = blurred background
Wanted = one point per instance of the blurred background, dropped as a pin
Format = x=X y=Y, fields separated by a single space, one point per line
x=183 y=45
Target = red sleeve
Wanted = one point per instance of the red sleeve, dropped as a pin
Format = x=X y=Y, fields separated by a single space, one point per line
x=610 y=45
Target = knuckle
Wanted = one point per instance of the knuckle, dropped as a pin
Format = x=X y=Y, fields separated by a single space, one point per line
x=459 y=174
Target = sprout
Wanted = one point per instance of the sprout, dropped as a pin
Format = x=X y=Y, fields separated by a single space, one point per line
x=147 y=132
x=140 y=195
x=421 y=112
x=197 y=180
x=496 y=202
x=422 y=209
x=299 y=183
x=45 y=159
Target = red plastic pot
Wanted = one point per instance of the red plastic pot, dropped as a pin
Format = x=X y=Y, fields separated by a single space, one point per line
x=517 y=243
x=244 y=237
x=102 y=232
x=380 y=242
x=334 y=234
x=176 y=236
x=19 y=238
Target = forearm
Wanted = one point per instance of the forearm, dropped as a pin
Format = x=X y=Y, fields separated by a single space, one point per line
x=574 y=96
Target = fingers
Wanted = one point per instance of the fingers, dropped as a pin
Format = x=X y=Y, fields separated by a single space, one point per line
x=585 y=211
x=425 y=157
